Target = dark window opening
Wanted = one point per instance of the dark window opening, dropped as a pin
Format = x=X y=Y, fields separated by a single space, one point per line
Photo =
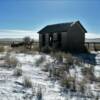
x=43 y=40
x=50 y=40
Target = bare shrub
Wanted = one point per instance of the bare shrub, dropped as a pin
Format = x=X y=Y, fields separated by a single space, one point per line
x=35 y=48
x=46 y=67
x=46 y=49
x=8 y=49
x=78 y=62
x=2 y=49
x=55 y=72
x=88 y=73
x=67 y=82
x=59 y=56
x=82 y=86
x=52 y=54
x=58 y=72
x=18 y=72
x=39 y=94
x=27 y=82
x=65 y=68
x=97 y=97
x=69 y=58
x=40 y=60
x=7 y=56
x=12 y=61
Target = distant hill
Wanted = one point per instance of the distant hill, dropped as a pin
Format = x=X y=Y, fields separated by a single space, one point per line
x=16 y=40
x=10 y=40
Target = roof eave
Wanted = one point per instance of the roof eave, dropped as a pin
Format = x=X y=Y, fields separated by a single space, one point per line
x=85 y=31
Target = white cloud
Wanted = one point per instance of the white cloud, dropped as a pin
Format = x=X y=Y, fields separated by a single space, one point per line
x=92 y=35
x=5 y=33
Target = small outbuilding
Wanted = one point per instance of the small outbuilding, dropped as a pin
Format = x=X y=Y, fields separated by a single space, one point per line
x=68 y=37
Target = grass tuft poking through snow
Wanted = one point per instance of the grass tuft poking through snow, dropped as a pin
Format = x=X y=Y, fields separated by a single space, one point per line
x=46 y=67
x=39 y=94
x=17 y=72
x=27 y=82
x=69 y=58
x=40 y=60
x=11 y=60
x=2 y=49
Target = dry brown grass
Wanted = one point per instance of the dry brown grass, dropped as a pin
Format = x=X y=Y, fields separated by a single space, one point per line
x=40 y=60
x=59 y=56
x=27 y=82
x=46 y=49
x=2 y=49
x=67 y=82
x=11 y=61
x=17 y=72
x=46 y=67
x=88 y=73
x=20 y=49
x=35 y=48
x=23 y=49
x=69 y=58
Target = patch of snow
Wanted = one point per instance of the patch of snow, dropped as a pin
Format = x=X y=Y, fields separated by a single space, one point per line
x=11 y=87
x=97 y=71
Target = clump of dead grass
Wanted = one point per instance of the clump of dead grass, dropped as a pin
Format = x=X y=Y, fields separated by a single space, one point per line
x=27 y=82
x=40 y=60
x=11 y=61
x=2 y=49
x=18 y=72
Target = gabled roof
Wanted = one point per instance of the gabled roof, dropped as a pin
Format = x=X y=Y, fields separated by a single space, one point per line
x=62 y=27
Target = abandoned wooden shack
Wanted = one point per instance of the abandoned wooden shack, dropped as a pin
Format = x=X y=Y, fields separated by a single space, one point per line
x=68 y=37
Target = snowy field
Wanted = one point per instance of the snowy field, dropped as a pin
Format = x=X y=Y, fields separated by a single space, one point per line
x=11 y=87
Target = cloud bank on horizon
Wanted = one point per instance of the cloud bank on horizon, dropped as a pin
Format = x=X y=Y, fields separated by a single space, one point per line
x=18 y=34
x=33 y=34
x=92 y=35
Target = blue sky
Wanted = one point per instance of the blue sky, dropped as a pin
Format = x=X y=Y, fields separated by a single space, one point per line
x=32 y=15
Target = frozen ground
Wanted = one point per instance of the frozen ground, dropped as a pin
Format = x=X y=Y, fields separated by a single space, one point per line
x=11 y=87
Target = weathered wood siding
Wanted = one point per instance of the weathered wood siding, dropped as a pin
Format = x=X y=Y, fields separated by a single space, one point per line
x=64 y=40
x=40 y=41
x=75 y=39
x=47 y=40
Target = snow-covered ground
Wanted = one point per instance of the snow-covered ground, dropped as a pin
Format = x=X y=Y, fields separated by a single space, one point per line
x=11 y=87
x=11 y=90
